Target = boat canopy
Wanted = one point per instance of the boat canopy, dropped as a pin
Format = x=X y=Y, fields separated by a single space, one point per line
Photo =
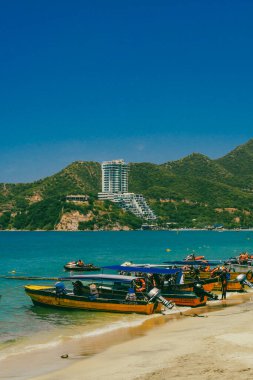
x=195 y=262
x=100 y=277
x=144 y=269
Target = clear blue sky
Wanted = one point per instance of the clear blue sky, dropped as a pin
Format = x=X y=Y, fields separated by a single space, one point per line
x=135 y=79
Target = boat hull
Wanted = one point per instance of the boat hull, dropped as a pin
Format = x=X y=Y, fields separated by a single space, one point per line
x=231 y=286
x=77 y=268
x=185 y=299
x=46 y=296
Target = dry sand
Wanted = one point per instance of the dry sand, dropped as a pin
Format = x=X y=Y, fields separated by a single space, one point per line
x=216 y=345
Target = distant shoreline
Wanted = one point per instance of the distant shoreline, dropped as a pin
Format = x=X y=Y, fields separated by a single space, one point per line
x=144 y=230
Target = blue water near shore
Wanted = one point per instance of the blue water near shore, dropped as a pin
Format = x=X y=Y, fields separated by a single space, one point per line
x=45 y=253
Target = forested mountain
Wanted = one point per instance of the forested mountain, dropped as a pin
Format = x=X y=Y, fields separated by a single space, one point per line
x=192 y=192
x=239 y=162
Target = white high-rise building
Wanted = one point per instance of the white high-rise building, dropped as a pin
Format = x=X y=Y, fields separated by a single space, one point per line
x=114 y=176
x=115 y=189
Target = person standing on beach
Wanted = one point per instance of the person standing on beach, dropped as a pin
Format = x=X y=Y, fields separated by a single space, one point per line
x=224 y=283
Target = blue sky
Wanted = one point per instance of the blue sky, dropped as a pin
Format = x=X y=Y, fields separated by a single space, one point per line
x=140 y=80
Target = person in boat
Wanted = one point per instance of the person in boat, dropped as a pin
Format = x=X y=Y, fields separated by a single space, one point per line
x=123 y=273
x=205 y=268
x=131 y=296
x=171 y=279
x=194 y=273
x=154 y=280
x=149 y=281
x=216 y=271
x=190 y=257
x=243 y=258
x=158 y=280
x=93 y=292
x=78 y=288
x=80 y=263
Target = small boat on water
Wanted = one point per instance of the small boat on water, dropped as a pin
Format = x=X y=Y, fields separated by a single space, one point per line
x=80 y=266
x=101 y=292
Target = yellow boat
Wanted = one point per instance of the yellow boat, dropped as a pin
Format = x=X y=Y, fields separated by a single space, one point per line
x=185 y=298
x=232 y=286
x=96 y=292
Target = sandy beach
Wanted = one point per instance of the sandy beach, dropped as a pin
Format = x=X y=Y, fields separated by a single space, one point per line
x=197 y=345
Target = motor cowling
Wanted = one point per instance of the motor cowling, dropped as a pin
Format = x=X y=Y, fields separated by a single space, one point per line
x=155 y=294
x=243 y=280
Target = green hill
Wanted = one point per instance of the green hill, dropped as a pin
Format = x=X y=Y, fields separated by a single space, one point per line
x=239 y=163
x=192 y=192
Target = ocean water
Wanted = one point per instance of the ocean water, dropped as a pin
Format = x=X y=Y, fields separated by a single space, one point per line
x=45 y=253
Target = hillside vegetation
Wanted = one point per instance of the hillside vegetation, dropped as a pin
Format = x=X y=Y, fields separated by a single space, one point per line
x=192 y=192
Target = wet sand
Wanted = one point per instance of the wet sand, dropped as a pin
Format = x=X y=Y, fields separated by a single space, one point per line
x=197 y=345
x=211 y=342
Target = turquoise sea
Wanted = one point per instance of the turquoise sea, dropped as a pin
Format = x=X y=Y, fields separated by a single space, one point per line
x=45 y=253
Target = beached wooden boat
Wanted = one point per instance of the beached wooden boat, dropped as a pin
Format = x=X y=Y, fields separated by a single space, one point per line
x=206 y=275
x=232 y=285
x=109 y=294
x=207 y=283
x=191 y=294
x=184 y=298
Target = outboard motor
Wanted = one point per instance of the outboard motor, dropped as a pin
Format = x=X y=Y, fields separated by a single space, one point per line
x=200 y=292
x=243 y=280
x=155 y=294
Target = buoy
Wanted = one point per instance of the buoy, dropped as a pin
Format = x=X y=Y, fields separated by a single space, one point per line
x=64 y=356
x=168 y=250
